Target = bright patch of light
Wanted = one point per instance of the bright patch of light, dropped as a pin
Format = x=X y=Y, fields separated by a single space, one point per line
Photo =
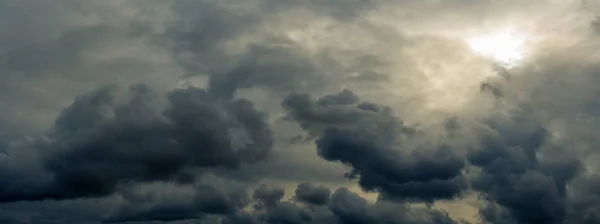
x=505 y=46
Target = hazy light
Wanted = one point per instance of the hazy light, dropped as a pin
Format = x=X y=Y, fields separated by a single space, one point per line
x=505 y=46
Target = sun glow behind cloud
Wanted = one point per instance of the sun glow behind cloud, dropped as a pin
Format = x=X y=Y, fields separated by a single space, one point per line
x=506 y=47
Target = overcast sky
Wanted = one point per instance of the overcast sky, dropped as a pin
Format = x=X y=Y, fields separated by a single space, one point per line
x=300 y=111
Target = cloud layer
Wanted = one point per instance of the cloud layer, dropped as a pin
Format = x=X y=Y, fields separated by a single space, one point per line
x=266 y=111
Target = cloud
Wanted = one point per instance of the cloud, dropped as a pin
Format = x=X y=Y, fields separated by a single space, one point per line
x=99 y=142
x=59 y=51
x=268 y=197
x=343 y=206
x=584 y=200
x=533 y=154
x=309 y=193
x=367 y=137
x=241 y=91
x=210 y=196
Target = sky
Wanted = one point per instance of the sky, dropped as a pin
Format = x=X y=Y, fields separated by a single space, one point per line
x=300 y=112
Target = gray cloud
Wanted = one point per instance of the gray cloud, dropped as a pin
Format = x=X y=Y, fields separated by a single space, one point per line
x=309 y=193
x=213 y=71
x=98 y=143
x=210 y=196
x=366 y=137
x=511 y=172
x=343 y=207
x=268 y=197
x=584 y=200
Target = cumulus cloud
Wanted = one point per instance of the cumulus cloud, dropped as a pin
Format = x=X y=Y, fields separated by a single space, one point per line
x=367 y=137
x=344 y=207
x=513 y=175
x=98 y=142
x=229 y=199
x=210 y=196
x=267 y=111
x=309 y=193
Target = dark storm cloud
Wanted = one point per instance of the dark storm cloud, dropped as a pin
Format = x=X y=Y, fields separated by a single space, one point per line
x=524 y=172
x=102 y=141
x=351 y=208
x=343 y=207
x=213 y=197
x=57 y=212
x=494 y=213
x=309 y=193
x=534 y=155
x=268 y=196
x=7 y=219
x=98 y=142
x=107 y=142
x=585 y=200
x=366 y=137
x=531 y=189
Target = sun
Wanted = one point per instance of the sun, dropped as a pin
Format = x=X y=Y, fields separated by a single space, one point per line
x=506 y=46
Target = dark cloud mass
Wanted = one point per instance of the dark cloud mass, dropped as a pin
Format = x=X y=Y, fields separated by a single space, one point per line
x=227 y=199
x=299 y=112
x=309 y=193
x=513 y=175
x=342 y=207
x=98 y=143
x=163 y=203
x=367 y=137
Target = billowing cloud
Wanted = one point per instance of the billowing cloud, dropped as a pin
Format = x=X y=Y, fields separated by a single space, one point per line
x=100 y=142
x=229 y=200
x=368 y=138
x=265 y=111
x=514 y=175
x=171 y=203
x=309 y=193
